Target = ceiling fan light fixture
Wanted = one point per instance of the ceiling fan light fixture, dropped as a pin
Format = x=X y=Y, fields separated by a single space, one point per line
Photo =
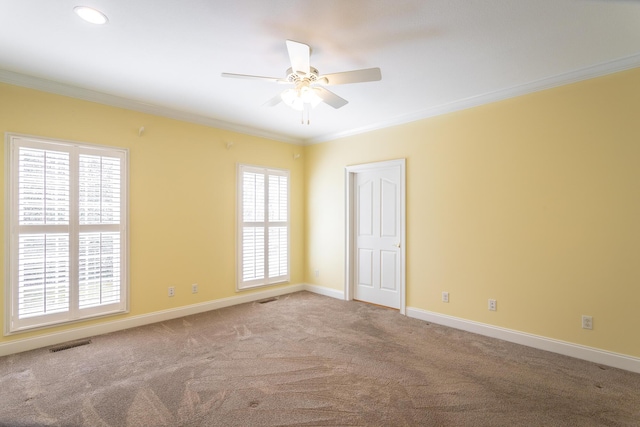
x=296 y=98
x=310 y=96
x=291 y=99
x=91 y=15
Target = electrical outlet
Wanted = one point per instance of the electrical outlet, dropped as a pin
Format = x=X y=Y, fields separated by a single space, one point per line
x=493 y=305
x=172 y=291
x=445 y=297
x=587 y=322
x=317 y=273
x=194 y=288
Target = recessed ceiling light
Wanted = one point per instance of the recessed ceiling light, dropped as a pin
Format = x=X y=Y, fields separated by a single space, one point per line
x=91 y=15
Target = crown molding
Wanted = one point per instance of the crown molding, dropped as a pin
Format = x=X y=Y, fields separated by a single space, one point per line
x=57 y=88
x=575 y=76
x=585 y=73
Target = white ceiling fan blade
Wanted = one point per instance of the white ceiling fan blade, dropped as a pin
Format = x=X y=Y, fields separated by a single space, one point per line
x=273 y=101
x=330 y=98
x=356 y=76
x=246 y=76
x=299 y=56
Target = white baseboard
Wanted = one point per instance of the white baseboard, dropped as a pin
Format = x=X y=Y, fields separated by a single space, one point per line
x=20 y=345
x=590 y=354
x=616 y=360
x=321 y=290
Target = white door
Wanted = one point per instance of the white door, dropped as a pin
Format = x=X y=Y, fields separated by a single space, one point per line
x=378 y=236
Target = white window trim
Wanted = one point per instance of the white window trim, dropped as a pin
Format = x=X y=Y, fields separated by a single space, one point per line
x=240 y=284
x=11 y=237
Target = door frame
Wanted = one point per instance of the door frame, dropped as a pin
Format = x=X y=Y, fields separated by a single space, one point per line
x=349 y=182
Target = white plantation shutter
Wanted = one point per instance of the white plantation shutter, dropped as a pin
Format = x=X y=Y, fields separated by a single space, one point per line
x=100 y=212
x=43 y=274
x=253 y=237
x=263 y=226
x=43 y=187
x=68 y=227
x=99 y=269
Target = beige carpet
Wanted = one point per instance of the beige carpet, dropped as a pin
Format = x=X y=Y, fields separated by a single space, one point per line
x=308 y=360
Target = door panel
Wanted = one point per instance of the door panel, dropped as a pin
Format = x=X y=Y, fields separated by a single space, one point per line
x=377 y=215
x=365 y=267
x=388 y=263
x=388 y=219
x=365 y=201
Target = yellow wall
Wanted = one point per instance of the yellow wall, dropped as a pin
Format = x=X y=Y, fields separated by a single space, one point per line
x=182 y=194
x=533 y=201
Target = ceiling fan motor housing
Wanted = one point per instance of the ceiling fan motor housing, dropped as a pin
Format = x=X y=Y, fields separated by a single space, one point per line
x=296 y=76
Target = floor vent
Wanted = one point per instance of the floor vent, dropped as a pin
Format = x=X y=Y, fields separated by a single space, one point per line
x=264 y=301
x=69 y=345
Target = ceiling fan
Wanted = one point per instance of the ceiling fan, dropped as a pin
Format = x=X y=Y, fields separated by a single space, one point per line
x=308 y=84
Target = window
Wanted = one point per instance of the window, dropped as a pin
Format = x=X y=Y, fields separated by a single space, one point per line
x=67 y=232
x=263 y=226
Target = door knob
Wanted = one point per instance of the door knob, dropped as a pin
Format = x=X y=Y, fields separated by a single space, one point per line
x=397 y=245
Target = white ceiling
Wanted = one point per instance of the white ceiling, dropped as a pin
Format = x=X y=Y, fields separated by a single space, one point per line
x=436 y=56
